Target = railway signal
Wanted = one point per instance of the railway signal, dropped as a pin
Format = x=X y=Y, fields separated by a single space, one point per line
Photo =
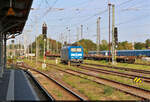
x=116 y=35
x=44 y=30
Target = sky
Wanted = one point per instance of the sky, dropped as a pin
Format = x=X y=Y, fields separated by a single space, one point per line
x=132 y=17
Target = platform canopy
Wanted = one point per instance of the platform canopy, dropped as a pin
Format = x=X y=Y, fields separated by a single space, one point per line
x=13 y=16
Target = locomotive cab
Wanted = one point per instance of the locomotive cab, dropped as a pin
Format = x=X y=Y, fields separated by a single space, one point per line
x=72 y=54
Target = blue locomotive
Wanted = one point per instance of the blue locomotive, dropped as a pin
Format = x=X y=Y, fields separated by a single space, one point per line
x=72 y=54
x=126 y=52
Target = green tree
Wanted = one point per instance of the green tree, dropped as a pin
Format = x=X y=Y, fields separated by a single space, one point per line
x=104 y=45
x=139 y=45
x=87 y=45
x=125 y=45
x=147 y=43
x=52 y=43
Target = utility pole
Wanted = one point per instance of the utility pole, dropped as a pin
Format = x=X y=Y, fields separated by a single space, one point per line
x=28 y=51
x=133 y=43
x=50 y=50
x=66 y=38
x=17 y=44
x=109 y=6
x=113 y=40
x=47 y=44
x=87 y=30
x=77 y=34
x=98 y=35
x=19 y=48
x=81 y=31
x=31 y=51
x=36 y=49
x=56 y=47
x=26 y=46
x=66 y=35
x=62 y=40
x=68 y=29
x=69 y=36
x=13 y=49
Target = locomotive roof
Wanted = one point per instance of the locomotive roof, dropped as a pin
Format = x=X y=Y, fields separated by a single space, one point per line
x=71 y=46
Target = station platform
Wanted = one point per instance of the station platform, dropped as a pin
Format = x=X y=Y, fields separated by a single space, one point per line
x=15 y=85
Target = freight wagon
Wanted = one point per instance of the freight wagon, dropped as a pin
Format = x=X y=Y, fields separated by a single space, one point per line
x=136 y=53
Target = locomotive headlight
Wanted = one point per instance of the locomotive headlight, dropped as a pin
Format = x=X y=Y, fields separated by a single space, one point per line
x=80 y=54
x=73 y=54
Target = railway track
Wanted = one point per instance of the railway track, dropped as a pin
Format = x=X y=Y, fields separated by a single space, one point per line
x=45 y=93
x=121 y=68
x=69 y=93
x=103 y=71
x=136 y=91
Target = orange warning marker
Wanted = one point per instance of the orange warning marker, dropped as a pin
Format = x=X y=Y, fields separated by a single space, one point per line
x=10 y=12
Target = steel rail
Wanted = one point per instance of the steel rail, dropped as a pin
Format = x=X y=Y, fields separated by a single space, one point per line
x=121 y=68
x=141 y=92
x=49 y=96
x=131 y=76
x=50 y=78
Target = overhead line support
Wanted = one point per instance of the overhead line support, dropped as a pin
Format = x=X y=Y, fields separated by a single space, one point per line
x=113 y=40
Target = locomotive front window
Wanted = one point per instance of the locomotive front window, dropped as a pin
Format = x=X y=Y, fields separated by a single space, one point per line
x=73 y=49
x=78 y=49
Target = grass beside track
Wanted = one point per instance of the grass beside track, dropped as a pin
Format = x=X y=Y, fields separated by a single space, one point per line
x=133 y=66
x=117 y=70
x=118 y=79
x=91 y=89
x=113 y=77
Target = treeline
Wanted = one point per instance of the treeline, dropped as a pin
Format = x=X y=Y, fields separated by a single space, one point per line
x=88 y=45
x=51 y=46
